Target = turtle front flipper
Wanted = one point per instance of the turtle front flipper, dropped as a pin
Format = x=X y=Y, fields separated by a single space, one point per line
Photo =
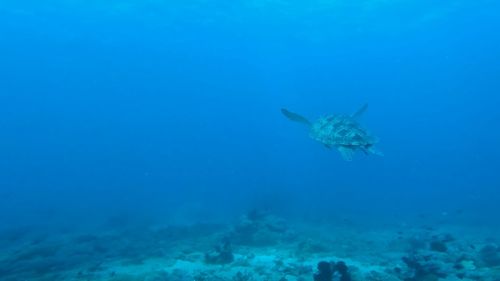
x=357 y=114
x=346 y=153
x=295 y=117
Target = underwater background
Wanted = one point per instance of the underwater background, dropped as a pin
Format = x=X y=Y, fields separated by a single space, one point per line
x=154 y=114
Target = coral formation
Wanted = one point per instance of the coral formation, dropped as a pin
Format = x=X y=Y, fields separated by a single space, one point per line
x=423 y=268
x=438 y=246
x=222 y=254
x=330 y=271
x=490 y=255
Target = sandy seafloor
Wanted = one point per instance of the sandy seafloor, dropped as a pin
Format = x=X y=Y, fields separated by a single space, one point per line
x=257 y=246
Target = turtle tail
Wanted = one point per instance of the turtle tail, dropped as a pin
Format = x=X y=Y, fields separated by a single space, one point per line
x=295 y=117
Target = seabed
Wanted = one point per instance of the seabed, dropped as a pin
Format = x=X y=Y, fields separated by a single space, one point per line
x=256 y=247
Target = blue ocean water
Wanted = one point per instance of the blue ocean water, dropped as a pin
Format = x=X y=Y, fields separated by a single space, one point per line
x=170 y=110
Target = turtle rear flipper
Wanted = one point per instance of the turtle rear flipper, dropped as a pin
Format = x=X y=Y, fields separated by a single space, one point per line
x=295 y=117
x=375 y=151
x=346 y=153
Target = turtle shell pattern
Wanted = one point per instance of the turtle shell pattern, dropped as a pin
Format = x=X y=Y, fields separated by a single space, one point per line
x=340 y=130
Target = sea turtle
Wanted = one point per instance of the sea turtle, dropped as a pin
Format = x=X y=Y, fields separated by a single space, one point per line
x=339 y=131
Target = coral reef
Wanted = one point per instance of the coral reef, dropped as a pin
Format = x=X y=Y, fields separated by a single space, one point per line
x=445 y=258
